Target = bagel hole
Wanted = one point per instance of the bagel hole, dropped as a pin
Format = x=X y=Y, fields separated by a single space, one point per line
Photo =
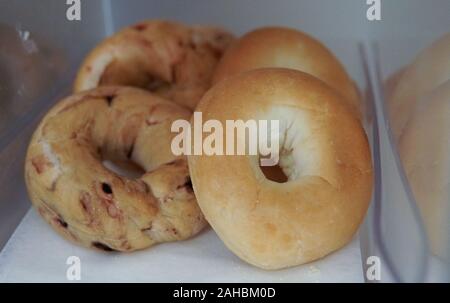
x=157 y=85
x=274 y=173
x=127 y=169
x=127 y=74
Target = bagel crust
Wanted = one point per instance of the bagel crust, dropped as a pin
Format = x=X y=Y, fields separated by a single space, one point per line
x=287 y=48
x=170 y=59
x=324 y=153
x=93 y=206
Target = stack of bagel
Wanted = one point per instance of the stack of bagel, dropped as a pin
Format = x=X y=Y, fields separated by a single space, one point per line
x=134 y=85
x=419 y=112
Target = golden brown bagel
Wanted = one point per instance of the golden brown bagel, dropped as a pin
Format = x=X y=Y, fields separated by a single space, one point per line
x=430 y=69
x=91 y=205
x=425 y=153
x=324 y=153
x=288 y=48
x=167 y=58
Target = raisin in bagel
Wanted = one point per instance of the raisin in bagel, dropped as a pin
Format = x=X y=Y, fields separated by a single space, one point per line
x=93 y=206
x=288 y=48
x=323 y=151
x=167 y=58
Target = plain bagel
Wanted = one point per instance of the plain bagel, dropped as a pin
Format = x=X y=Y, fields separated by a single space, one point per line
x=93 y=206
x=324 y=153
x=425 y=152
x=170 y=59
x=430 y=69
x=288 y=48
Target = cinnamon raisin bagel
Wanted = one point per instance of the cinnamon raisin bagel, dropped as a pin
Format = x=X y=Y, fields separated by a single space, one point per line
x=288 y=48
x=90 y=204
x=324 y=153
x=170 y=59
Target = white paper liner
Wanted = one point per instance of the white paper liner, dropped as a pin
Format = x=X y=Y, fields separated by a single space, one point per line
x=35 y=253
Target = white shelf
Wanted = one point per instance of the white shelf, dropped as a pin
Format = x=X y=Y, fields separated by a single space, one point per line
x=35 y=253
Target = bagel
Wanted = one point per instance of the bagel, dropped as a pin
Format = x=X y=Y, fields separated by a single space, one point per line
x=324 y=153
x=425 y=152
x=93 y=206
x=288 y=48
x=167 y=58
x=430 y=69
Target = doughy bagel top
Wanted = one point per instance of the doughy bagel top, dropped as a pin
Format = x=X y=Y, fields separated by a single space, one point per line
x=288 y=48
x=324 y=153
x=113 y=119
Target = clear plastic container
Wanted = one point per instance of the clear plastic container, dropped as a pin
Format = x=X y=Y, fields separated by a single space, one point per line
x=401 y=229
x=39 y=54
x=371 y=52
